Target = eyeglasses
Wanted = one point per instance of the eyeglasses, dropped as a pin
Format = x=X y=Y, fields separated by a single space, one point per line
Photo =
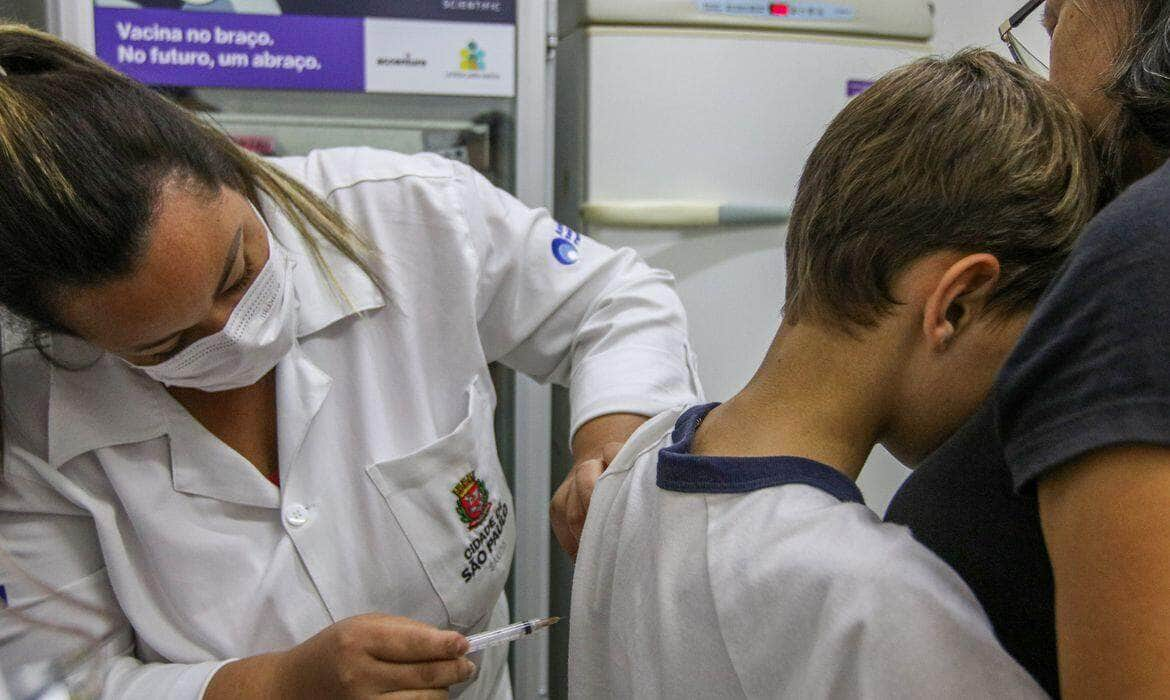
x=1021 y=53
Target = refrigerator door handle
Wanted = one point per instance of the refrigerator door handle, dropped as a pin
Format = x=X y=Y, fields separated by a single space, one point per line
x=668 y=213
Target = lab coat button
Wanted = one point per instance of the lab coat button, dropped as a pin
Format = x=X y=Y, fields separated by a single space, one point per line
x=296 y=515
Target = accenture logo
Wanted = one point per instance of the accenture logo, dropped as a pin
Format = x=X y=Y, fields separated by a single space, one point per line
x=407 y=61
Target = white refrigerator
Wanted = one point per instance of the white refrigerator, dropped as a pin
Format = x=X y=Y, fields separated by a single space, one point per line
x=682 y=128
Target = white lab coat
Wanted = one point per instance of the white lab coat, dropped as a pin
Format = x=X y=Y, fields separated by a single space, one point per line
x=392 y=498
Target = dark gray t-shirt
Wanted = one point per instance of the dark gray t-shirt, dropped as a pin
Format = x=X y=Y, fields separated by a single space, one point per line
x=1092 y=370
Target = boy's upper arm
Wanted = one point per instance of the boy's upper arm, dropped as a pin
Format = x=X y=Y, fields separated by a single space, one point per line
x=850 y=614
x=770 y=594
x=926 y=634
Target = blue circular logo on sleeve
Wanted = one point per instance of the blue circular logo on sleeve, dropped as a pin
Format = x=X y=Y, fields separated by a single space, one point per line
x=564 y=251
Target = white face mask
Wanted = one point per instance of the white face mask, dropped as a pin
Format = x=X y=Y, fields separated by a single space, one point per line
x=260 y=331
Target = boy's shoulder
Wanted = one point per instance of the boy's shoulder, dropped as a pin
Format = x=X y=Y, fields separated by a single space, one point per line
x=810 y=539
x=784 y=585
x=645 y=441
x=870 y=603
x=625 y=493
x=843 y=565
x=802 y=526
x=806 y=527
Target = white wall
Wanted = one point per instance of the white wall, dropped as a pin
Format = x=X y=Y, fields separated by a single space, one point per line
x=962 y=23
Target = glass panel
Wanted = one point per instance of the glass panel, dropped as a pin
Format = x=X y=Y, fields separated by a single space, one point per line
x=30 y=12
x=477 y=131
x=1025 y=56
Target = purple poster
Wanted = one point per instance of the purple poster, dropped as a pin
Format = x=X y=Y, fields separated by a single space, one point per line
x=419 y=46
x=232 y=50
x=444 y=10
x=853 y=88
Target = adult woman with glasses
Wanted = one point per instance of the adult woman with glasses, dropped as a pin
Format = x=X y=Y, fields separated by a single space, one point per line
x=1053 y=501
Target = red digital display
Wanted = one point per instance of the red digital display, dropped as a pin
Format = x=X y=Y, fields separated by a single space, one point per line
x=780 y=9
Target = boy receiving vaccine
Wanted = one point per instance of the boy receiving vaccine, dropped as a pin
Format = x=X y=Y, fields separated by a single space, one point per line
x=727 y=551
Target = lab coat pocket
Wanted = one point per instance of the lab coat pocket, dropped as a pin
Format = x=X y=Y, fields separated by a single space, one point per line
x=453 y=503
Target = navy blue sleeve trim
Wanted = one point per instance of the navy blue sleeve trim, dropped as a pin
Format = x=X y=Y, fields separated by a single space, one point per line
x=683 y=472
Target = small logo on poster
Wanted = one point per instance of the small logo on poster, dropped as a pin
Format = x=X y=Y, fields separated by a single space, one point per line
x=472 y=67
x=471 y=58
x=405 y=61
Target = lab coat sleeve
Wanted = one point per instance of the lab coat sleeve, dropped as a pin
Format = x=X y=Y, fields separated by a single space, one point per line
x=45 y=535
x=562 y=308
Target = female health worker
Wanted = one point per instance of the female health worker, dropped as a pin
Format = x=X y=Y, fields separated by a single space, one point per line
x=255 y=456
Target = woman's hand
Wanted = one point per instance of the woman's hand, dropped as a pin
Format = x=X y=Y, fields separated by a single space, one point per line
x=361 y=657
x=570 y=504
x=595 y=445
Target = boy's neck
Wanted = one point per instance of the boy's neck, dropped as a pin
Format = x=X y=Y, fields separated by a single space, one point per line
x=820 y=394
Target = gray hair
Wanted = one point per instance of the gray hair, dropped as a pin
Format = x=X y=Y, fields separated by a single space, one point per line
x=1143 y=83
x=1135 y=139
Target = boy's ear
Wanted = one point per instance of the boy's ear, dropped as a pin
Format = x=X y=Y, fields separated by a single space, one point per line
x=959 y=296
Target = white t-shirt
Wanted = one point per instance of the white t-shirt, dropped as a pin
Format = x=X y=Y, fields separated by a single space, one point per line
x=764 y=577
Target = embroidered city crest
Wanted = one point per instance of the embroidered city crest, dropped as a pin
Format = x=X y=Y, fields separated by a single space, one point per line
x=472 y=505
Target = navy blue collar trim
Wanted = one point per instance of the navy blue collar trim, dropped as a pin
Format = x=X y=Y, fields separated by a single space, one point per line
x=679 y=470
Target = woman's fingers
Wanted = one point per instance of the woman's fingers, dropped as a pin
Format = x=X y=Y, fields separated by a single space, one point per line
x=558 y=514
x=610 y=452
x=370 y=655
x=570 y=505
x=403 y=641
x=405 y=653
x=427 y=675
x=560 y=524
x=588 y=473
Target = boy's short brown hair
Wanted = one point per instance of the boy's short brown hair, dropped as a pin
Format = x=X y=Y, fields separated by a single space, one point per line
x=968 y=153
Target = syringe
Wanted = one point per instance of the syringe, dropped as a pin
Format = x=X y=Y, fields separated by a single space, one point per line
x=507 y=634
